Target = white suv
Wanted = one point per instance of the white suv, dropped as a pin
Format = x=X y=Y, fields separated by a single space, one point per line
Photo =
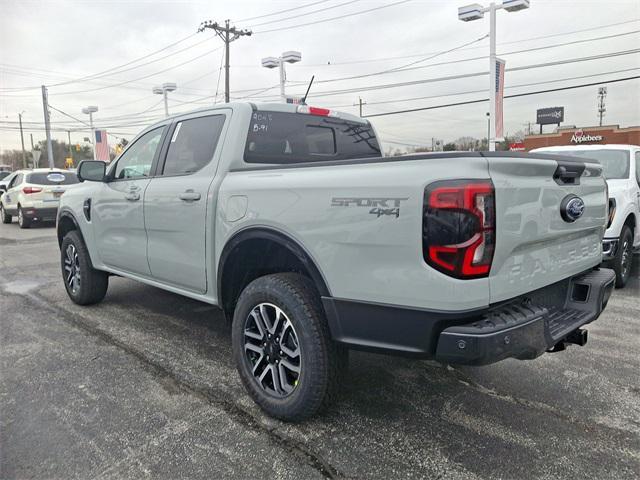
x=34 y=195
x=621 y=168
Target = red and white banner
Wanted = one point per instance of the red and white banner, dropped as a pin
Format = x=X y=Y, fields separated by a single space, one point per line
x=102 y=146
x=499 y=99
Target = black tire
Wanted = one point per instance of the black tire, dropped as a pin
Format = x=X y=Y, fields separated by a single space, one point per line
x=6 y=218
x=91 y=286
x=23 y=222
x=624 y=257
x=321 y=360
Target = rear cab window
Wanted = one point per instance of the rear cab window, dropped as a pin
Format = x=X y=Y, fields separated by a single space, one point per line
x=287 y=138
x=52 y=178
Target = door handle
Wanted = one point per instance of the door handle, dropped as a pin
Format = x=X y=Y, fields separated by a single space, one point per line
x=189 y=196
x=132 y=196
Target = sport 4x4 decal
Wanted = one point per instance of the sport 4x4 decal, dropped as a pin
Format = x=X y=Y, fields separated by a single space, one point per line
x=379 y=206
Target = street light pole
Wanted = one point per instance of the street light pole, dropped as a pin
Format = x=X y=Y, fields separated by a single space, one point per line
x=24 y=155
x=476 y=11
x=492 y=77
x=91 y=110
x=286 y=57
x=164 y=91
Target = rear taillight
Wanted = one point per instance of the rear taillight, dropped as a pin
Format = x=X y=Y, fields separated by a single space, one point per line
x=458 y=227
x=29 y=190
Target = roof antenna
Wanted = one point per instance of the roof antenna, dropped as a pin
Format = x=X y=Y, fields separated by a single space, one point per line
x=304 y=99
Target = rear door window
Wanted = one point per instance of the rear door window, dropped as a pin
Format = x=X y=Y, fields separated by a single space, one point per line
x=280 y=137
x=52 y=178
x=192 y=144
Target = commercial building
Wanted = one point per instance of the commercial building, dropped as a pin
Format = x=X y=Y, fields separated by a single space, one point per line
x=584 y=136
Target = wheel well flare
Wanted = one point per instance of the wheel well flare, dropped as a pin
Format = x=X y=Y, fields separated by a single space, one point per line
x=253 y=254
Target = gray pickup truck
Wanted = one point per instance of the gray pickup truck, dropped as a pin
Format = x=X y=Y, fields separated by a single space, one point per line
x=293 y=223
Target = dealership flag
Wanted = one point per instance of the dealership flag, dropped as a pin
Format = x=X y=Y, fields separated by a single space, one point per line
x=102 y=146
x=499 y=98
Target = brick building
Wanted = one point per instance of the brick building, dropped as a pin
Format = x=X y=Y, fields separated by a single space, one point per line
x=584 y=136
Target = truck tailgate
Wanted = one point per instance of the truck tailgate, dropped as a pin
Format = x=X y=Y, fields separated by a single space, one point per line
x=535 y=245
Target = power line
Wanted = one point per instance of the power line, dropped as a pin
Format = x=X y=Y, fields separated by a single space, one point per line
x=125 y=82
x=480 y=100
x=406 y=68
x=333 y=18
x=468 y=92
x=467 y=75
x=522 y=40
x=305 y=14
x=283 y=11
x=77 y=119
x=113 y=68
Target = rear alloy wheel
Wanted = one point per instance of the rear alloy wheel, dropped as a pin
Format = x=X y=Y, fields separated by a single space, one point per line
x=624 y=257
x=23 y=222
x=84 y=284
x=283 y=349
x=272 y=348
x=6 y=218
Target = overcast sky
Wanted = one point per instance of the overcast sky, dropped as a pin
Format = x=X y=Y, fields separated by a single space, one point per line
x=55 y=42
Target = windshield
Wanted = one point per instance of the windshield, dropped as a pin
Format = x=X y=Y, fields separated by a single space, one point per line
x=4 y=174
x=615 y=163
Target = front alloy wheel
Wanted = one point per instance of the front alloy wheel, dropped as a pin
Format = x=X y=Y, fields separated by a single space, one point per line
x=72 y=268
x=84 y=284
x=272 y=349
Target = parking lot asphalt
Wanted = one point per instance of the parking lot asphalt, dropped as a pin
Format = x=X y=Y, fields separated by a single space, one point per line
x=143 y=385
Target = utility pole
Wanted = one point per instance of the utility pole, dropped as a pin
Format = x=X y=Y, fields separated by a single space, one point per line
x=360 y=104
x=24 y=156
x=47 y=124
x=227 y=34
x=602 y=93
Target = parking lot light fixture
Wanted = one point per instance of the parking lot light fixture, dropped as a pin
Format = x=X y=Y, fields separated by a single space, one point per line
x=287 y=57
x=475 y=11
x=90 y=110
x=163 y=90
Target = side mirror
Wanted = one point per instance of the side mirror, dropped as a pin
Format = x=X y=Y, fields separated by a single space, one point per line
x=91 y=170
x=3 y=188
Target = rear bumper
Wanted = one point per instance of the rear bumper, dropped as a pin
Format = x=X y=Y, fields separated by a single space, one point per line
x=523 y=328
x=40 y=214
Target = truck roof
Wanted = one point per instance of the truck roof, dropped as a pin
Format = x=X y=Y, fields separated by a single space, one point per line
x=260 y=106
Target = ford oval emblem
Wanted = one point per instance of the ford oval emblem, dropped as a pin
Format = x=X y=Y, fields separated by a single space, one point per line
x=571 y=208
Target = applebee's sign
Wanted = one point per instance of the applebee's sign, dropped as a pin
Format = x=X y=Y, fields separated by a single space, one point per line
x=581 y=137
